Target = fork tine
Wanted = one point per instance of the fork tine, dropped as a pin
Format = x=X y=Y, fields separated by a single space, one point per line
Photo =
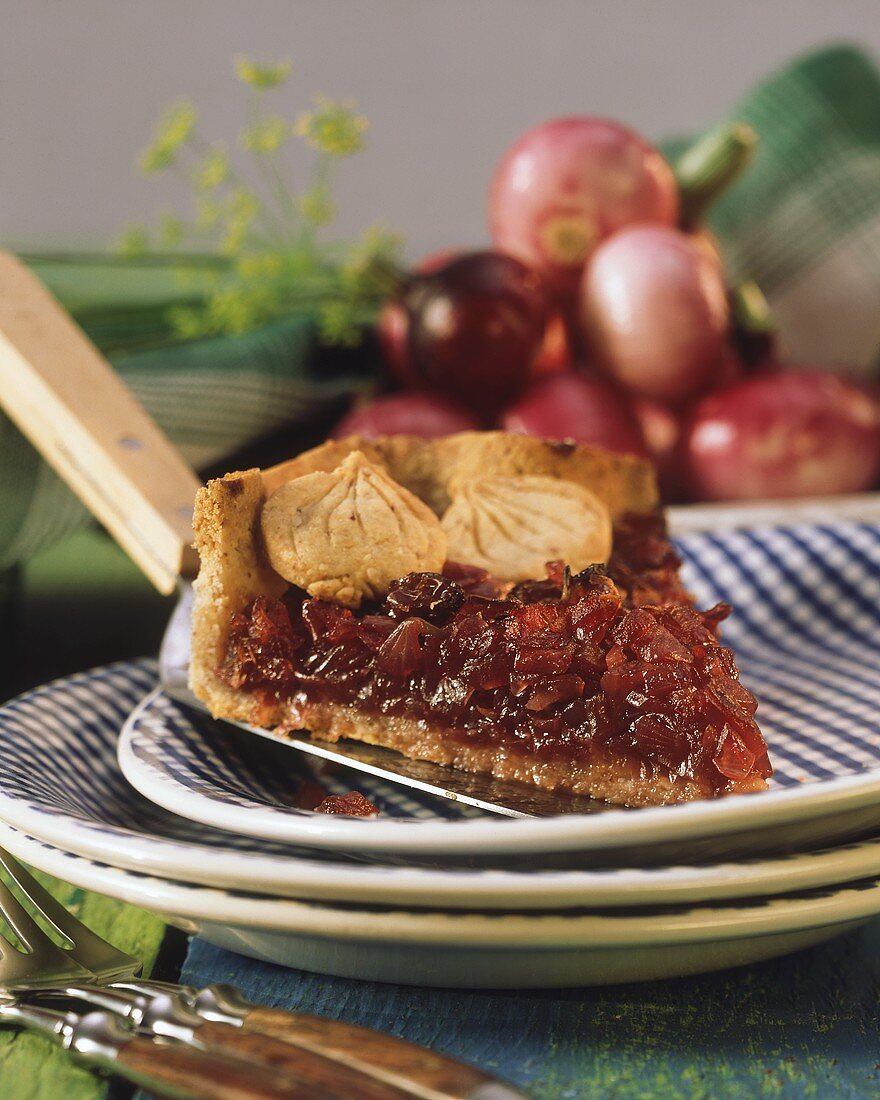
x=44 y=963
x=42 y=899
x=87 y=948
x=19 y=920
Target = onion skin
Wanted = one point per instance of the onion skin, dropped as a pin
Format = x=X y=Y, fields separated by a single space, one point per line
x=555 y=355
x=392 y=324
x=475 y=327
x=566 y=185
x=661 y=427
x=783 y=435
x=569 y=406
x=422 y=414
x=654 y=312
x=729 y=368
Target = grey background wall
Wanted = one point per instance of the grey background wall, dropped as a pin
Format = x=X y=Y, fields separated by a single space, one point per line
x=447 y=84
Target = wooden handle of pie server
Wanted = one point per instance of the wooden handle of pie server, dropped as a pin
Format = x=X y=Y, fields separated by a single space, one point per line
x=64 y=396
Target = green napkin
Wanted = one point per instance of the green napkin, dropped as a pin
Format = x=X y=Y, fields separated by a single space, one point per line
x=804 y=221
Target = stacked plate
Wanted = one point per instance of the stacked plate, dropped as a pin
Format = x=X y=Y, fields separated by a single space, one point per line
x=107 y=783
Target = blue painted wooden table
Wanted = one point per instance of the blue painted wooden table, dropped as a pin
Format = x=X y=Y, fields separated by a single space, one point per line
x=806 y=1025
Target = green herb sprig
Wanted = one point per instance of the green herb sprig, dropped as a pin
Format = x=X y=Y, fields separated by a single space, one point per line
x=256 y=240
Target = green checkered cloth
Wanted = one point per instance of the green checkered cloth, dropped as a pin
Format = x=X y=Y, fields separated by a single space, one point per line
x=804 y=222
x=804 y=219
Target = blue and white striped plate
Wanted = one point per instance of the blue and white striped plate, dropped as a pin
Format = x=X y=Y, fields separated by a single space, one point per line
x=60 y=782
x=806 y=631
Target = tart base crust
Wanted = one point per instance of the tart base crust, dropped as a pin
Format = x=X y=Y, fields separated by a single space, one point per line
x=609 y=777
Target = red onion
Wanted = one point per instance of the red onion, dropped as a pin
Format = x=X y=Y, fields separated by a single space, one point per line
x=392 y=326
x=661 y=427
x=421 y=414
x=476 y=325
x=805 y=433
x=568 y=406
x=654 y=313
x=566 y=185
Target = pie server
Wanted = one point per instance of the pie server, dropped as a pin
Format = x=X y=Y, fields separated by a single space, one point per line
x=64 y=396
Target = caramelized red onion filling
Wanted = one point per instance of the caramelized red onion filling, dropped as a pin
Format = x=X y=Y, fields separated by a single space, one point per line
x=614 y=661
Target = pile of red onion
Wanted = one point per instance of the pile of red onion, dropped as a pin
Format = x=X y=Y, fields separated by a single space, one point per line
x=603 y=314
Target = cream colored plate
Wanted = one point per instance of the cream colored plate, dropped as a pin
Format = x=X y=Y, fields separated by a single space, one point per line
x=474 y=950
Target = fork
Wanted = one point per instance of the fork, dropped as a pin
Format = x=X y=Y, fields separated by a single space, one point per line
x=189 y=1044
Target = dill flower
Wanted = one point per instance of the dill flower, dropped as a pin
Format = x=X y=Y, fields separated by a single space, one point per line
x=238 y=309
x=188 y=323
x=261 y=76
x=171 y=230
x=242 y=209
x=208 y=213
x=174 y=128
x=316 y=206
x=333 y=127
x=258 y=265
x=265 y=135
x=337 y=324
x=213 y=171
x=262 y=232
x=376 y=245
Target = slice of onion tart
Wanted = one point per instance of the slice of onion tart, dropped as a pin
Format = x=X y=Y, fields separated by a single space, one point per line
x=492 y=602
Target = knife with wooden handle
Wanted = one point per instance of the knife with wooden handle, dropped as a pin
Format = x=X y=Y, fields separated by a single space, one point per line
x=419 y=1072
x=405 y=1069
x=164 y=1012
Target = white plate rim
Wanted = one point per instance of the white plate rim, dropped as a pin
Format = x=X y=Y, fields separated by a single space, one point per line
x=687 y=519
x=462 y=929
x=570 y=832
